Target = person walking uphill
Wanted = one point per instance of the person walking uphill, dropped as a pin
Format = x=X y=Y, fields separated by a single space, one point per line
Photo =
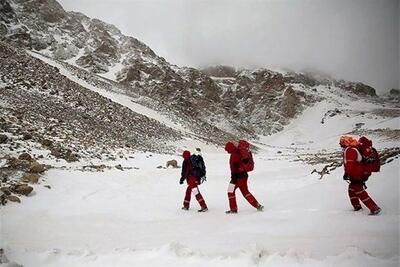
x=240 y=164
x=189 y=175
x=357 y=171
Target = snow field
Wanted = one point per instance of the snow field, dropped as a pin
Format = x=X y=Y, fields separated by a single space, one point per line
x=133 y=218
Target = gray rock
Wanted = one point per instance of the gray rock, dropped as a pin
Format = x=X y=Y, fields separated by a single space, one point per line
x=23 y=189
x=13 y=198
x=3 y=138
x=25 y=156
x=32 y=178
x=36 y=167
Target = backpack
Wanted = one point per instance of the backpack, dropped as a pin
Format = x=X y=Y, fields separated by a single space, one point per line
x=246 y=158
x=370 y=157
x=198 y=167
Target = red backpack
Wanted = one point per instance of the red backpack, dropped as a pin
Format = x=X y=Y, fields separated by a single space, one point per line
x=246 y=158
x=370 y=157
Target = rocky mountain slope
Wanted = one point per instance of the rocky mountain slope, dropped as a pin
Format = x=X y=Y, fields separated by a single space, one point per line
x=62 y=115
x=215 y=102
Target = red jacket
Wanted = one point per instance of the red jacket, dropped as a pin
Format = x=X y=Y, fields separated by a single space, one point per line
x=234 y=161
x=353 y=165
x=186 y=165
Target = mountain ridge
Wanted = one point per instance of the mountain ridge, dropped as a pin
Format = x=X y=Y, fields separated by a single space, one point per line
x=217 y=103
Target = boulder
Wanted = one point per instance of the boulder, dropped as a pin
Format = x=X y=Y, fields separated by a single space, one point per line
x=172 y=163
x=36 y=167
x=47 y=142
x=27 y=136
x=5 y=190
x=32 y=178
x=18 y=164
x=25 y=156
x=23 y=189
x=13 y=198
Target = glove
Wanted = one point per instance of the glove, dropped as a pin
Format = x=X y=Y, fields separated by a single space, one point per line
x=181 y=181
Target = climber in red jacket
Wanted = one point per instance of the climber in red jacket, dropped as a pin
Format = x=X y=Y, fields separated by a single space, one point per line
x=238 y=180
x=355 y=172
x=192 y=181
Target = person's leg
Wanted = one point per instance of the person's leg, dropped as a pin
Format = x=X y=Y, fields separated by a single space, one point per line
x=365 y=198
x=186 y=201
x=353 y=197
x=232 y=197
x=196 y=192
x=242 y=184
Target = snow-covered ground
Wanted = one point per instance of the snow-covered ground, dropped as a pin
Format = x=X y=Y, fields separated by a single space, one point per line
x=134 y=217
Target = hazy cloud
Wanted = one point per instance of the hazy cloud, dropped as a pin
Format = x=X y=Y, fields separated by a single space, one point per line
x=351 y=39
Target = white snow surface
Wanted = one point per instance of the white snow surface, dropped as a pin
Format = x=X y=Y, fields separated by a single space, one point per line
x=133 y=217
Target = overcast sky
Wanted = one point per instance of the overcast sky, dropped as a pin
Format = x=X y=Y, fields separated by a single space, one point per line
x=356 y=40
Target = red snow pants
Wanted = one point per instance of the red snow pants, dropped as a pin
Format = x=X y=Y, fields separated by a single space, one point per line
x=357 y=193
x=242 y=185
x=193 y=188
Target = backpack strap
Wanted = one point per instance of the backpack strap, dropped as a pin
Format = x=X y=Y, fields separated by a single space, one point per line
x=359 y=156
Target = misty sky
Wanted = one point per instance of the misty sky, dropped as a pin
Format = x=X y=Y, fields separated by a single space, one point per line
x=355 y=40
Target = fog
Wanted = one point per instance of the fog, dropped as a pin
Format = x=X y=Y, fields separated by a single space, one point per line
x=356 y=40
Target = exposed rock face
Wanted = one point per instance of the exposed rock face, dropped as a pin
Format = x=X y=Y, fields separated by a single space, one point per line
x=357 y=88
x=200 y=102
x=217 y=103
x=220 y=71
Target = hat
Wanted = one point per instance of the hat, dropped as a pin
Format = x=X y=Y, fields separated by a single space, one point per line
x=347 y=140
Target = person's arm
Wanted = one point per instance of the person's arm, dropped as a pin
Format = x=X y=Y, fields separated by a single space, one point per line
x=234 y=163
x=202 y=162
x=183 y=172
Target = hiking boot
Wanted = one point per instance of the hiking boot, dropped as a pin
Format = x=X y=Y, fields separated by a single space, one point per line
x=375 y=212
x=260 y=207
x=231 y=211
x=203 y=209
x=357 y=208
x=185 y=208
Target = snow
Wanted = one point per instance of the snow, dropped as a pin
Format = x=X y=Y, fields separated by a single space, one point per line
x=133 y=217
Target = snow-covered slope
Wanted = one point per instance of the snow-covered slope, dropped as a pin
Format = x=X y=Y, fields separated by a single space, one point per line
x=133 y=217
